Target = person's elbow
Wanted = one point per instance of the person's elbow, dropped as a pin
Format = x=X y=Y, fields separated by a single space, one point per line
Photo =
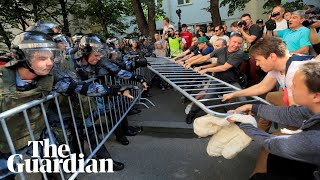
x=304 y=50
x=251 y=39
x=315 y=39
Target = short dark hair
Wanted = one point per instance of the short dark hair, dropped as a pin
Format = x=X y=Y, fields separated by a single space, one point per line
x=236 y=35
x=234 y=24
x=311 y=71
x=167 y=19
x=264 y=47
x=224 y=42
x=195 y=36
x=246 y=14
x=220 y=27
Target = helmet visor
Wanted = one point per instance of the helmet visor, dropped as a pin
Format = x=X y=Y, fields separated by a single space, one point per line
x=42 y=60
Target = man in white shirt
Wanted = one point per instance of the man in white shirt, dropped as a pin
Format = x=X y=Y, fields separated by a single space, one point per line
x=271 y=55
x=280 y=21
x=166 y=26
x=219 y=34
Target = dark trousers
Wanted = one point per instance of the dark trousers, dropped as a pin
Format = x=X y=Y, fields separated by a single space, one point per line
x=279 y=168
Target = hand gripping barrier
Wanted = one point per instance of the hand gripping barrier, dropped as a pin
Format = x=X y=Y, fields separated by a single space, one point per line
x=186 y=81
x=70 y=120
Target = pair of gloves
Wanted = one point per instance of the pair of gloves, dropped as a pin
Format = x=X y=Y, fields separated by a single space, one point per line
x=228 y=139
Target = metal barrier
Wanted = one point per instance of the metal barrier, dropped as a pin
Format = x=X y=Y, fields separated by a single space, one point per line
x=79 y=117
x=186 y=81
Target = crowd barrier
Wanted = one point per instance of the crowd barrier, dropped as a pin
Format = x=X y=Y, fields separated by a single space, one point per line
x=186 y=81
x=102 y=114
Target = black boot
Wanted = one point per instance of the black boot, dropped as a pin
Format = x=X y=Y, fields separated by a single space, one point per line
x=134 y=111
x=102 y=152
x=117 y=166
x=128 y=130
x=190 y=117
x=120 y=137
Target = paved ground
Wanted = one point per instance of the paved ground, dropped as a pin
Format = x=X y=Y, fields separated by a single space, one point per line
x=168 y=149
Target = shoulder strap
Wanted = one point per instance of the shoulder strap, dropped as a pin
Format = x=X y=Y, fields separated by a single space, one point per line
x=296 y=57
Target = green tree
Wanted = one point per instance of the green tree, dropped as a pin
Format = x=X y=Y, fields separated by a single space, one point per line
x=101 y=16
x=268 y=5
x=147 y=21
x=12 y=15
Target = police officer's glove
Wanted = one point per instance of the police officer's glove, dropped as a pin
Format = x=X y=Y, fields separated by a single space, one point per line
x=120 y=90
x=271 y=25
x=138 y=78
x=141 y=62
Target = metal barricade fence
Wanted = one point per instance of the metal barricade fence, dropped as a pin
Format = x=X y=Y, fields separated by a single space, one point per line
x=186 y=81
x=78 y=117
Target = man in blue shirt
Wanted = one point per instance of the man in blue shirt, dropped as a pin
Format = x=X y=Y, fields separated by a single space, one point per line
x=297 y=36
x=203 y=49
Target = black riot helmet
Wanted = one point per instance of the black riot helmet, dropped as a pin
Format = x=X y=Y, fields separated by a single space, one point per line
x=29 y=45
x=89 y=43
x=47 y=27
x=60 y=38
x=76 y=38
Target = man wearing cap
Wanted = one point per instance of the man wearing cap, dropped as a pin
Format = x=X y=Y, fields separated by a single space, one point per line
x=186 y=35
x=203 y=50
x=259 y=22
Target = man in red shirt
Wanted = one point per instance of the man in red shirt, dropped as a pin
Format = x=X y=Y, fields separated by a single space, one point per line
x=186 y=35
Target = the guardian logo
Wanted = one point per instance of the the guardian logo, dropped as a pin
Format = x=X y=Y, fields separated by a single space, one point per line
x=53 y=157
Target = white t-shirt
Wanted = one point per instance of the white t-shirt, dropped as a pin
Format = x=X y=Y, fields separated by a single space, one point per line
x=214 y=38
x=165 y=28
x=287 y=80
x=280 y=26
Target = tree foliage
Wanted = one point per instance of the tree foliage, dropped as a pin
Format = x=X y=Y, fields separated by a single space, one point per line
x=234 y=5
x=103 y=17
x=268 y=5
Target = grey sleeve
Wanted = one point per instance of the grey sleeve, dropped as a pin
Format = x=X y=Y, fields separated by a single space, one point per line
x=235 y=59
x=302 y=146
x=292 y=115
x=255 y=30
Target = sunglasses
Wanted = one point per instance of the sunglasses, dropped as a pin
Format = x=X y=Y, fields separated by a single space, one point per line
x=216 y=30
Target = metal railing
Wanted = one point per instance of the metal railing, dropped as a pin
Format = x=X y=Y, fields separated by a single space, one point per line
x=186 y=81
x=79 y=114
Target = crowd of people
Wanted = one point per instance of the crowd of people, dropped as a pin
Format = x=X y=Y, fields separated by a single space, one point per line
x=280 y=59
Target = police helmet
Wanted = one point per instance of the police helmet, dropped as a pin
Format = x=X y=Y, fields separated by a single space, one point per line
x=91 y=42
x=47 y=27
x=60 y=38
x=76 y=38
x=30 y=43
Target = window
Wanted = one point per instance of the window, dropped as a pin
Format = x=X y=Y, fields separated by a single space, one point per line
x=180 y=2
